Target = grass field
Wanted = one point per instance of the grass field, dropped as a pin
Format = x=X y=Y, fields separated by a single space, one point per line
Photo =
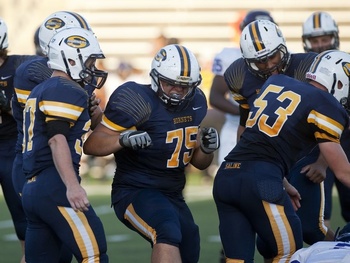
x=125 y=246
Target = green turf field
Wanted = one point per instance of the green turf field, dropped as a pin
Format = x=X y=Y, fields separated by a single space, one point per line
x=125 y=246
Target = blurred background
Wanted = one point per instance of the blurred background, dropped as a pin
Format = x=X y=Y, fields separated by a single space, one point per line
x=130 y=31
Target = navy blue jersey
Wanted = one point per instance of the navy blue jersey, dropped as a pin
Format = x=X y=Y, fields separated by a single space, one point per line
x=7 y=72
x=28 y=75
x=173 y=134
x=245 y=85
x=287 y=116
x=54 y=99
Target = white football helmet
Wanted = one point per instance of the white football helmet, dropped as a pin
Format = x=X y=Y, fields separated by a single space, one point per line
x=74 y=51
x=56 y=22
x=320 y=24
x=3 y=35
x=331 y=68
x=260 y=40
x=178 y=66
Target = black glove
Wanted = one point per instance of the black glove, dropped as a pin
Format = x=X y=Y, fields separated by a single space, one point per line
x=210 y=141
x=135 y=139
x=4 y=102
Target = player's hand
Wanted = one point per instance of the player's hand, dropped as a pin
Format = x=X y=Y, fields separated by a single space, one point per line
x=77 y=198
x=135 y=139
x=94 y=105
x=209 y=139
x=4 y=102
x=293 y=195
x=316 y=172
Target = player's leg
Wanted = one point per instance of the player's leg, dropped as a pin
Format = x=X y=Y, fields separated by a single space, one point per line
x=344 y=199
x=236 y=232
x=256 y=190
x=153 y=216
x=7 y=156
x=312 y=203
x=328 y=193
x=82 y=233
x=190 y=243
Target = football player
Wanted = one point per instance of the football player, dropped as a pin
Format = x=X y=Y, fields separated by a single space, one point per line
x=8 y=132
x=287 y=116
x=56 y=118
x=219 y=96
x=31 y=73
x=264 y=54
x=320 y=33
x=153 y=131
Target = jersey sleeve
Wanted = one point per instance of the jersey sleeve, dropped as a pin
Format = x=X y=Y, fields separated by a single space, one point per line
x=328 y=121
x=128 y=107
x=65 y=102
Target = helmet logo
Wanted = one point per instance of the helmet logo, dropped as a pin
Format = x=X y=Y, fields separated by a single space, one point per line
x=77 y=41
x=54 y=23
x=161 y=56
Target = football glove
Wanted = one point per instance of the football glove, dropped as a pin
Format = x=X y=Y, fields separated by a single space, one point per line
x=209 y=139
x=4 y=102
x=135 y=139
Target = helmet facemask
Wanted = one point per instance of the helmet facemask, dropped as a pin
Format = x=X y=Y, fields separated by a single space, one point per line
x=92 y=76
x=173 y=100
x=333 y=45
x=280 y=67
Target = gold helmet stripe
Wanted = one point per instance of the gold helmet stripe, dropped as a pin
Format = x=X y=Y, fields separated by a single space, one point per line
x=256 y=37
x=83 y=23
x=317 y=61
x=185 y=61
x=317 y=20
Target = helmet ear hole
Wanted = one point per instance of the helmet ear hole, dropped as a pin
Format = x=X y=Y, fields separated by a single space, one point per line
x=71 y=62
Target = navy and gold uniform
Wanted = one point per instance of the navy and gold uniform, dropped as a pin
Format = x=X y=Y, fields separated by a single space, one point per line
x=287 y=116
x=8 y=137
x=44 y=195
x=28 y=75
x=244 y=87
x=150 y=181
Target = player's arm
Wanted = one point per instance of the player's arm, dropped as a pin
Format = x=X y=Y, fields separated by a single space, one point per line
x=243 y=116
x=217 y=96
x=334 y=155
x=95 y=111
x=102 y=141
x=76 y=195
